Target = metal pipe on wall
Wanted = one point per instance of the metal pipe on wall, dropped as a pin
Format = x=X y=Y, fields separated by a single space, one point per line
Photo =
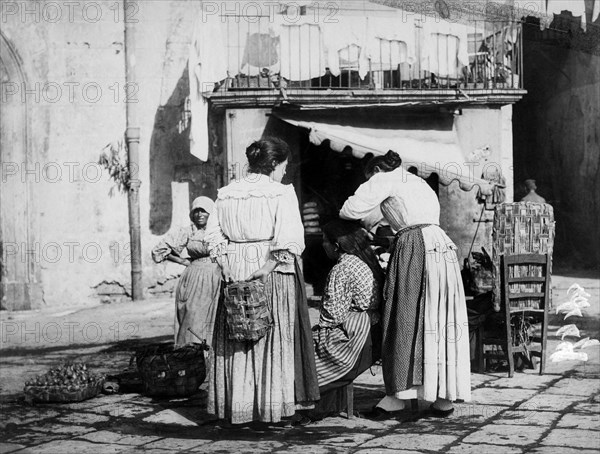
x=132 y=137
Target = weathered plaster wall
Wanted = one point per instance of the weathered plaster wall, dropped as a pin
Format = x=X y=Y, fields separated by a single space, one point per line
x=475 y=128
x=84 y=235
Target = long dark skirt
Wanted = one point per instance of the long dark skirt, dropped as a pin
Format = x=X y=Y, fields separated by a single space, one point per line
x=403 y=313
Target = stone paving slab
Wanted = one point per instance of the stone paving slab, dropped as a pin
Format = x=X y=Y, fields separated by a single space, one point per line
x=123 y=409
x=474 y=413
x=576 y=387
x=506 y=434
x=387 y=451
x=177 y=444
x=83 y=418
x=573 y=438
x=313 y=449
x=482 y=448
x=577 y=421
x=144 y=450
x=550 y=402
x=76 y=447
x=31 y=437
x=561 y=450
x=491 y=396
x=412 y=441
x=27 y=415
x=10 y=447
x=54 y=428
x=108 y=437
x=244 y=446
x=524 y=380
x=587 y=407
x=528 y=418
x=169 y=417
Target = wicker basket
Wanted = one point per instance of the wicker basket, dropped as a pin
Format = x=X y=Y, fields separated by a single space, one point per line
x=248 y=313
x=168 y=370
x=48 y=394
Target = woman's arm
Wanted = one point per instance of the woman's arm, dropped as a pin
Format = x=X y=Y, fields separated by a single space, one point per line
x=175 y=258
x=171 y=247
x=337 y=299
x=367 y=197
x=217 y=242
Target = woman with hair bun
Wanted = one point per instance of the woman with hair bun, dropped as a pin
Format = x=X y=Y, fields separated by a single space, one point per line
x=425 y=348
x=256 y=232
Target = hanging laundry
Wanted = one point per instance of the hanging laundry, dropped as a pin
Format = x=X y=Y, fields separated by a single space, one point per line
x=346 y=42
x=251 y=45
x=391 y=43
x=444 y=47
x=261 y=50
x=207 y=65
x=302 y=51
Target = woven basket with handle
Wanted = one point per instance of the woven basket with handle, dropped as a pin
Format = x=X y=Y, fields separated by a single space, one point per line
x=249 y=316
x=170 y=370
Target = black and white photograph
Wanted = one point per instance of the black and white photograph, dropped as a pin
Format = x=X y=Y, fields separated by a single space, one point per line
x=313 y=227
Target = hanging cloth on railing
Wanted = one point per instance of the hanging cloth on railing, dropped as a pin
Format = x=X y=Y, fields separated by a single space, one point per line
x=207 y=65
x=391 y=42
x=302 y=51
x=444 y=47
x=346 y=42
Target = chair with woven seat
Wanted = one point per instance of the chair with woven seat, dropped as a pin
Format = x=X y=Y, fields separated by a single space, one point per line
x=525 y=291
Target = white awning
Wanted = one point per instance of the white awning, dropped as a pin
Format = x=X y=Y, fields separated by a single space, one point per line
x=430 y=151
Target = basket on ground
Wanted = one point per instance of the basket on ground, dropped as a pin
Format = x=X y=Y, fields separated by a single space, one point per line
x=64 y=394
x=169 y=370
x=249 y=316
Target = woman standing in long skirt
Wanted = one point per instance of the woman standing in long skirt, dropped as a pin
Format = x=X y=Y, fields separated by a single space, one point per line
x=257 y=233
x=197 y=292
x=425 y=349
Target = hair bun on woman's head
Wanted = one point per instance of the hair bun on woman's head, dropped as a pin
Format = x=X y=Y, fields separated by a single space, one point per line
x=253 y=151
x=393 y=159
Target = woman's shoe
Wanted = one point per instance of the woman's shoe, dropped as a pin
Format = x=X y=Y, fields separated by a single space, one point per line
x=440 y=413
x=379 y=414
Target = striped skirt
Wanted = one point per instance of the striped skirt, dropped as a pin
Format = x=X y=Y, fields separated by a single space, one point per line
x=338 y=348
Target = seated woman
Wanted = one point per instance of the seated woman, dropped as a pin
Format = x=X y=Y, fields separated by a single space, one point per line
x=347 y=336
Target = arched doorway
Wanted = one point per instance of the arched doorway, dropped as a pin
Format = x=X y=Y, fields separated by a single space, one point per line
x=20 y=286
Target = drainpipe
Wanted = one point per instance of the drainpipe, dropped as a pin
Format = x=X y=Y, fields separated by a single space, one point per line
x=132 y=137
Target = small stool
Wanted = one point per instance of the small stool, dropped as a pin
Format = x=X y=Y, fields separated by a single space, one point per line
x=350 y=401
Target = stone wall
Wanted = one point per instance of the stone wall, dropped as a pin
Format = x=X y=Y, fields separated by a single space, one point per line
x=73 y=56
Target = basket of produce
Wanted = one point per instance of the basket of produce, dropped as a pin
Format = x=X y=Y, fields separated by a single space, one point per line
x=249 y=317
x=71 y=382
x=169 y=370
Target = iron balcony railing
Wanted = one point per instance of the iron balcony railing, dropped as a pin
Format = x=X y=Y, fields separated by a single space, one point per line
x=484 y=55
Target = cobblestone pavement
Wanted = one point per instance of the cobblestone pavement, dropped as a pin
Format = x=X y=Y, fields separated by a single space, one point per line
x=558 y=412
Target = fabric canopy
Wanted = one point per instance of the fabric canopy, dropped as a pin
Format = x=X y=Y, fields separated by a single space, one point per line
x=430 y=151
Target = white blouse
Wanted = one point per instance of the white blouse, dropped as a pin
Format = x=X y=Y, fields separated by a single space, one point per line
x=412 y=200
x=254 y=219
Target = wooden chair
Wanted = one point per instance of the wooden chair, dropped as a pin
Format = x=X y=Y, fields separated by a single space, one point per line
x=525 y=290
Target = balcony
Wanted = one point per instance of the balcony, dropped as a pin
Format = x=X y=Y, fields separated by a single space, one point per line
x=367 y=59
